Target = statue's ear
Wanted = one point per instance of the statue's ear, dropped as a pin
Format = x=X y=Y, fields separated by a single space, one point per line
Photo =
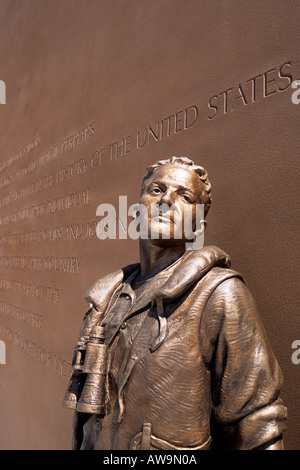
x=200 y=228
x=198 y=240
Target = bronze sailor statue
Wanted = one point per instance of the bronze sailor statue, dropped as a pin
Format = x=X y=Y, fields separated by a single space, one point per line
x=172 y=354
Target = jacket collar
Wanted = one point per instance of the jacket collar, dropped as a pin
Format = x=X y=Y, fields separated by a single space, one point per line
x=170 y=284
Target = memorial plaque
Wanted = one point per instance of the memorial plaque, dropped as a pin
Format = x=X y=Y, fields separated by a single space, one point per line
x=91 y=93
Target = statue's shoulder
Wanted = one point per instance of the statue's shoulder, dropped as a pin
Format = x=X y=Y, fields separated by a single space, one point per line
x=215 y=266
x=104 y=287
x=192 y=268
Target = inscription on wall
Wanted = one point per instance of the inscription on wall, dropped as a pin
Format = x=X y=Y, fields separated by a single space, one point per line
x=44 y=194
x=29 y=303
x=262 y=85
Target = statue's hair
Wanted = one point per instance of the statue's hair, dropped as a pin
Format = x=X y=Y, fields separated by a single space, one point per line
x=184 y=162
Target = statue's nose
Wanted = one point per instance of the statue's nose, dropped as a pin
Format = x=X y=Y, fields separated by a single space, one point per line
x=167 y=197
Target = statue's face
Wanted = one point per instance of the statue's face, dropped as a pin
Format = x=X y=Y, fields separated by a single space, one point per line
x=179 y=189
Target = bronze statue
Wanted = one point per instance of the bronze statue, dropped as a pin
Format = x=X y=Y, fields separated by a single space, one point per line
x=172 y=354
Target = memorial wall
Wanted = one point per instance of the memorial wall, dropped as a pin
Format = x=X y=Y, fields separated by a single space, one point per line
x=92 y=92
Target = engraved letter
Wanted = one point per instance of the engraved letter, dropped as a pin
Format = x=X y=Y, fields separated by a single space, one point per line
x=225 y=98
x=267 y=82
x=253 y=80
x=285 y=75
x=241 y=95
x=195 y=112
x=139 y=146
x=211 y=106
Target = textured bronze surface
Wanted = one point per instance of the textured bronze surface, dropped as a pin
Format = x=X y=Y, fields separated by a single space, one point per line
x=181 y=360
x=94 y=93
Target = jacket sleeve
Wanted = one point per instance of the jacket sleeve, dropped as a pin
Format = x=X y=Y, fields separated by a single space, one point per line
x=247 y=412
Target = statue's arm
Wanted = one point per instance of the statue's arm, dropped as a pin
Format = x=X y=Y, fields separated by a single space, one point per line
x=246 y=378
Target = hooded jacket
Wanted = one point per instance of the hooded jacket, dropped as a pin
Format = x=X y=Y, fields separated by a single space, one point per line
x=189 y=365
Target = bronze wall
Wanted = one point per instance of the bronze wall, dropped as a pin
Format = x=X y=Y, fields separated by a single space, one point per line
x=95 y=91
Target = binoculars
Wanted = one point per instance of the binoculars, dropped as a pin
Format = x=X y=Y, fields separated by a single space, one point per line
x=87 y=388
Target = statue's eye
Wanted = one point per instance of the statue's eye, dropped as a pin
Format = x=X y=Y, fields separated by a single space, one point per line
x=186 y=198
x=155 y=191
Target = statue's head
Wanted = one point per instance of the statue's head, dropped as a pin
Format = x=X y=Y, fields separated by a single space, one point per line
x=203 y=189
x=179 y=184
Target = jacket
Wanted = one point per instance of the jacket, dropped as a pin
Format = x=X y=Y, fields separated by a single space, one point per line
x=189 y=364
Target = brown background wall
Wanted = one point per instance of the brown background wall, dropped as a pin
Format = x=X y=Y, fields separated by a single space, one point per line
x=84 y=81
